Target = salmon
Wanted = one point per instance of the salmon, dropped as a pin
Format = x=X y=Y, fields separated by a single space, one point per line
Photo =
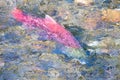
x=55 y=31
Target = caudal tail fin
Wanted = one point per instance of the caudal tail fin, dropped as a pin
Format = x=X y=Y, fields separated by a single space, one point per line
x=17 y=14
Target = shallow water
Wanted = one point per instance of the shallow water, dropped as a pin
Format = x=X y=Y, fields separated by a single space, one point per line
x=25 y=53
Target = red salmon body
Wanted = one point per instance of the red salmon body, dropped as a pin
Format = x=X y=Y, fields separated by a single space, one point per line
x=56 y=31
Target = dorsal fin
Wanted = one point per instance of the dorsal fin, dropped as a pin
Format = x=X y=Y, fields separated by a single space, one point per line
x=50 y=19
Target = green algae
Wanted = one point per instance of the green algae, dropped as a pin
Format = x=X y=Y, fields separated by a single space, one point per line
x=74 y=53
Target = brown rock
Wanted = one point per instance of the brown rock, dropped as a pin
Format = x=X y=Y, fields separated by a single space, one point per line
x=92 y=20
x=90 y=23
x=111 y=15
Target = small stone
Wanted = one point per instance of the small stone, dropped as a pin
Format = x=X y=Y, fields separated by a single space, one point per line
x=117 y=42
x=107 y=43
x=48 y=57
x=53 y=73
x=101 y=51
x=93 y=43
x=84 y=2
x=64 y=13
x=1 y=63
x=111 y=15
x=34 y=36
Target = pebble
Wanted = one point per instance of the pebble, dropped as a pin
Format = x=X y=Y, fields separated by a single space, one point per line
x=48 y=57
x=53 y=73
x=84 y=2
x=93 y=43
x=2 y=63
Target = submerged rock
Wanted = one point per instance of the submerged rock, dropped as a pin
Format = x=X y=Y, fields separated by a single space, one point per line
x=111 y=15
